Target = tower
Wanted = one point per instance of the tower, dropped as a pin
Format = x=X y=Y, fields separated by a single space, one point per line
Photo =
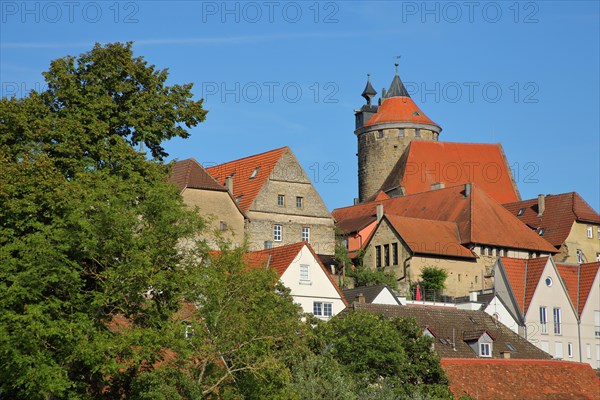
x=384 y=132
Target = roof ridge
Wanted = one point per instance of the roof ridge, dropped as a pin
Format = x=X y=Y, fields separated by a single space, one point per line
x=250 y=156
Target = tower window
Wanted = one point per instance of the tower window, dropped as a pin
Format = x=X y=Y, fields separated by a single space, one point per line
x=416 y=114
x=401 y=132
x=379 y=135
x=417 y=132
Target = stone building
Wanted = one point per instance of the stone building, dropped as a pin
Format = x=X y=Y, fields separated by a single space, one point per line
x=399 y=152
x=214 y=202
x=566 y=221
x=461 y=229
x=278 y=198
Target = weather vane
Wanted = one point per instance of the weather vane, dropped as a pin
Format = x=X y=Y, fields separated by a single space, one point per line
x=397 y=62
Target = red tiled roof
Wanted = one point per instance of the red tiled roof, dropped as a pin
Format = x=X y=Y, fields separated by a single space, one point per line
x=425 y=163
x=561 y=211
x=523 y=276
x=499 y=379
x=399 y=109
x=430 y=237
x=478 y=217
x=579 y=280
x=280 y=258
x=244 y=184
x=381 y=195
x=190 y=174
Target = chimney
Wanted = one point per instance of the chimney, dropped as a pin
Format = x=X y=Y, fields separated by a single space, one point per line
x=473 y=297
x=379 y=212
x=229 y=184
x=541 y=204
x=505 y=354
x=438 y=185
x=467 y=189
x=360 y=298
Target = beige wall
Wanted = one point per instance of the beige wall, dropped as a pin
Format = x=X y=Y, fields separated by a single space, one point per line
x=289 y=179
x=216 y=206
x=578 y=239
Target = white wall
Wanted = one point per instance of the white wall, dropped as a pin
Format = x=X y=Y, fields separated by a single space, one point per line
x=385 y=297
x=587 y=326
x=497 y=309
x=318 y=289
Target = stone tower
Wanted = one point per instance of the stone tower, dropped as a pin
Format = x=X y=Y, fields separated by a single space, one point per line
x=384 y=132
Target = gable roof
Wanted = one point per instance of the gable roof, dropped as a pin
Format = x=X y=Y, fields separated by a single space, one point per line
x=479 y=218
x=561 y=211
x=246 y=183
x=452 y=324
x=424 y=236
x=578 y=280
x=523 y=277
x=280 y=258
x=370 y=292
x=525 y=379
x=426 y=162
x=190 y=174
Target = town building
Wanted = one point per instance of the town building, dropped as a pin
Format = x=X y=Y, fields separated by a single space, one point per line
x=566 y=221
x=225 y=219
x=281 y=204
x=300 y=270
x=460 y=229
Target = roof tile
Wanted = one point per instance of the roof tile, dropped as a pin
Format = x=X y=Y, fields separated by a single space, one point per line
x=190 y=174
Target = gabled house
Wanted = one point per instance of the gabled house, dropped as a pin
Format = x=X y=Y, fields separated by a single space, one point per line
x=376 y=294
x=538 y=298
x=461 y=229
x=281 y=203
x=199 y=189
x=566 y=221
x=583 y=285
x=492 y=379
x=461 y=333
x=300 y=270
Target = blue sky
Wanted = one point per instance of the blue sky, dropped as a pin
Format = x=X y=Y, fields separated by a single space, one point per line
x=277 y=73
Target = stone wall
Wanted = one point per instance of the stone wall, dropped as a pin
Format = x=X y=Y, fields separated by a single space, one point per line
x=378 y=152
x=578 y=239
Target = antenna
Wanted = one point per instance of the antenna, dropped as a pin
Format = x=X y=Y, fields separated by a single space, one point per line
x=397 y=63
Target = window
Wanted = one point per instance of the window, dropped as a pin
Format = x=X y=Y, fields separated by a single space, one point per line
x=237 y=199
x=476 y=278
x=417 y=132
x=520 y=212
x=379 y=135
x=541 y=231
x=321 y=309
x=395 y=253
x=304 y=276
x=401 y=132
x=305 y=234
x=501 y=253
x=558 y=350
x=510 y=347
x=223 y=225
x=580 y=257
x=378 y=256
x=277 y=234
x=543 y=320
x=598 y=232
x=597 y=256
x=280 y=200
x=459 y=277
x=253 y=174
x=548 y=281
x=557 y=329
x=386 y=255
x=589 y=232
x=570 y=349
x=485 y=350
x=597 y=323
x=486 y=250
x=299 y=202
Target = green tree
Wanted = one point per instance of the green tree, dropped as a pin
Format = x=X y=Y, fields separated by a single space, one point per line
x=432 y=282
x=390 y=358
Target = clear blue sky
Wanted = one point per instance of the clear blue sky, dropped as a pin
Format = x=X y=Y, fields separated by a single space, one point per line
x=282 y=73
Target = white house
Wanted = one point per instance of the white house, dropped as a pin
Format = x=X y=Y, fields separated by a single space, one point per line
x=300 y=270
x=583 y=284
x=534 y=292
x=376 y=294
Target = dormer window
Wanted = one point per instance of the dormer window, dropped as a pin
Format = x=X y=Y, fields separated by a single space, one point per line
x=520 y=212
x=237 y=199
x=253 y=174
x=481 y=342
x=416 y=114
x=541 y=231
